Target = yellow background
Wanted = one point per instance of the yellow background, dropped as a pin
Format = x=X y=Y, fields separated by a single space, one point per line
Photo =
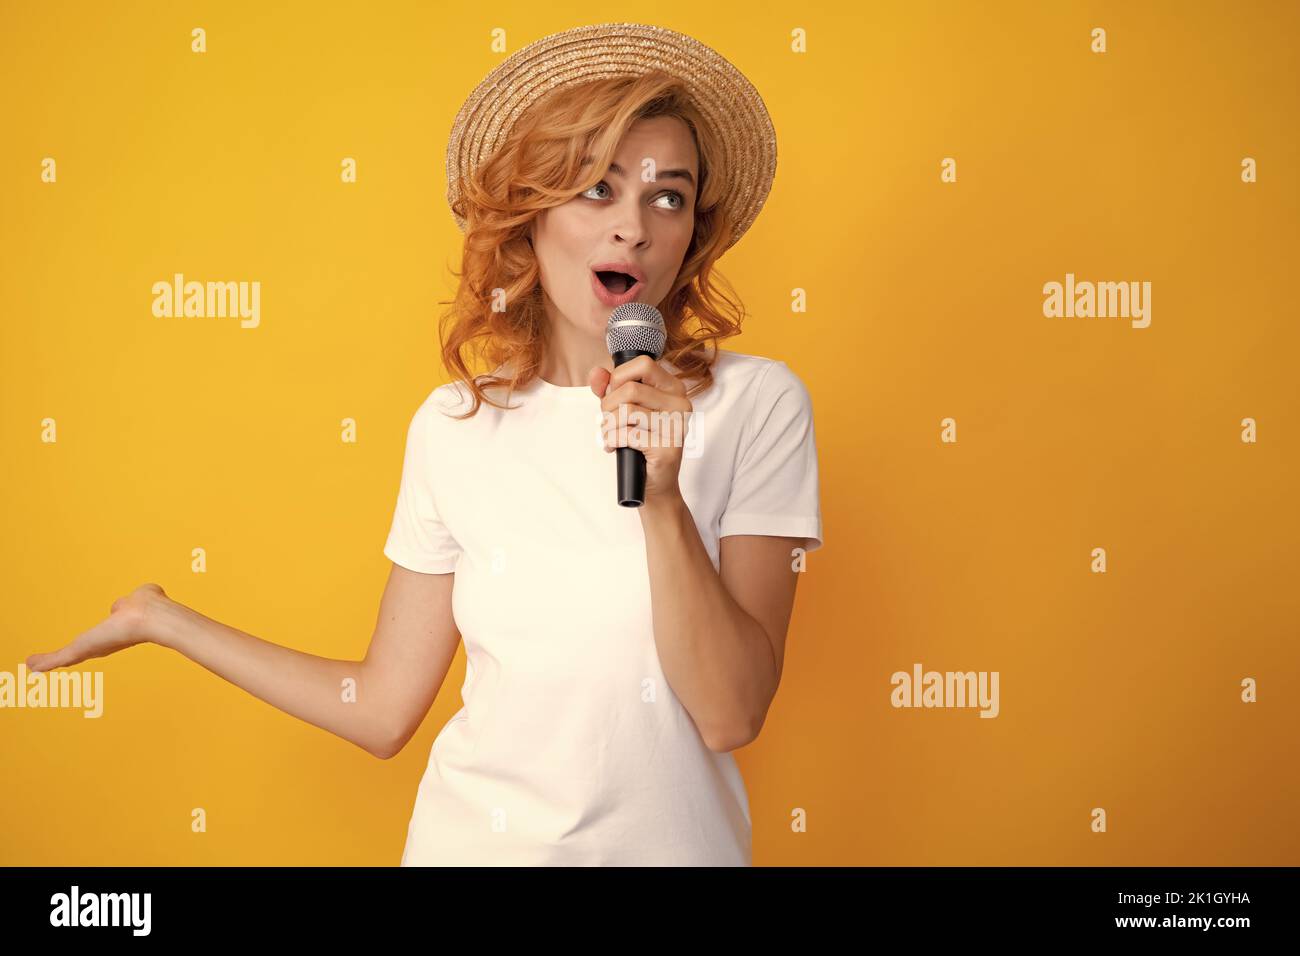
x=1118 y=690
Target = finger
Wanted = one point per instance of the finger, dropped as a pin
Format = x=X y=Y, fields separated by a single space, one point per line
x=637 y=438
x=80 y=648
x=668 y=427
x=645 y=369
x=627 y=416
x=660 y=429
x=50 y=660
x=71 y=653
x=645 y=394
x=598 y=379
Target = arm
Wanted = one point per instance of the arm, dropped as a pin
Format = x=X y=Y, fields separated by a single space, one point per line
x=720 y=634
x=410 y=652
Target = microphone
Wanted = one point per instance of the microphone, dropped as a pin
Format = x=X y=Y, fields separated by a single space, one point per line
x=634 y=329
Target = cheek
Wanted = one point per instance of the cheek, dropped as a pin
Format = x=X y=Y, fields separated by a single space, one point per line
x=559 y=248
x=682 y=237
x=675 y=244
x=564 y=227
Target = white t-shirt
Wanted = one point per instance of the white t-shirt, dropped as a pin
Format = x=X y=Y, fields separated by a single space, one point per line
x=571 y=748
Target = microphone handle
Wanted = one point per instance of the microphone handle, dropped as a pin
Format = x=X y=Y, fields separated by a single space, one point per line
x=631 y=461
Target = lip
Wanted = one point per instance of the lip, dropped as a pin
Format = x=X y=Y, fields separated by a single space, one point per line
x=620 y=265
x=609 y=298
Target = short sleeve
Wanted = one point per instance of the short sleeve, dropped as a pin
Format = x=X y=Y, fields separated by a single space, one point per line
x=775 y=487
x=418 y=539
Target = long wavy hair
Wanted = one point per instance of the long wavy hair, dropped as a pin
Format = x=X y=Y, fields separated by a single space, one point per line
x=540 y=166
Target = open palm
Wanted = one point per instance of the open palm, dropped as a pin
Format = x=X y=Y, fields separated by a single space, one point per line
x=124 y=627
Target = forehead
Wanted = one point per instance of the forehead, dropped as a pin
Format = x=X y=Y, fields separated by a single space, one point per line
x=665 y=139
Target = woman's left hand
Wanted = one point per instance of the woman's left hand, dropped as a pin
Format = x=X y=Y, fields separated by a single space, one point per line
x=655 y=420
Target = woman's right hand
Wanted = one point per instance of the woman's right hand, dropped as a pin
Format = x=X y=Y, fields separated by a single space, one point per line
x=131 y=621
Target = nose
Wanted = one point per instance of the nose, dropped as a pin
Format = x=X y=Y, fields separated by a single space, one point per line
x=629 y=223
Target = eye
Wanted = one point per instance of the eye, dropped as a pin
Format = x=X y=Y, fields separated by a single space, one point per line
x=681 y=200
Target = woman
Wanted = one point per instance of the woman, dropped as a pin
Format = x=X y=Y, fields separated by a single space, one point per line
x=614 y=656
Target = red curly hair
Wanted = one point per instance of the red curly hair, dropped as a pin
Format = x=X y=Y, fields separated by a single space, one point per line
x=540 y=166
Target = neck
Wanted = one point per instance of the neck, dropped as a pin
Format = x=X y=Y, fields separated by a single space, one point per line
x=570 y=356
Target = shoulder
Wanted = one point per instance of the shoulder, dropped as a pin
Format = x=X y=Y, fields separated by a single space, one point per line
x=441 y=406
x=758 y=381
x=431 y=423
x=753 y=396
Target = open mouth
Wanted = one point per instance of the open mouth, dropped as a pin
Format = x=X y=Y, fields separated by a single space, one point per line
x=616 y=282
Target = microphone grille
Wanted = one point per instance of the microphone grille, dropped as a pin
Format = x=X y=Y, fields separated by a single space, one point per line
x=636 y=326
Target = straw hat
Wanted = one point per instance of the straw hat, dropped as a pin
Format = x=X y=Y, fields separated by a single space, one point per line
x=726 y=99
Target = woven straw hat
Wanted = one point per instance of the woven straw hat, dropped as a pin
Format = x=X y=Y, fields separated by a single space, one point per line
x=726 y=99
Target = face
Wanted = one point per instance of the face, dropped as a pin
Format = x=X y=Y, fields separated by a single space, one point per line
x=644 y=227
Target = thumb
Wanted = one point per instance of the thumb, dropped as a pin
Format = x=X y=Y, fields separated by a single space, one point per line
x=598 y=379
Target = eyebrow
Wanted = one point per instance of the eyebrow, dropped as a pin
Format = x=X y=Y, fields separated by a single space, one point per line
x=659 y=174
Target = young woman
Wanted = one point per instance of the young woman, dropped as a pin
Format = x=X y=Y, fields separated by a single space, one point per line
x=614 y=656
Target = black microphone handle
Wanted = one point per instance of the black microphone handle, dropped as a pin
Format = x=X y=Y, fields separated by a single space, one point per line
x=631 y=461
